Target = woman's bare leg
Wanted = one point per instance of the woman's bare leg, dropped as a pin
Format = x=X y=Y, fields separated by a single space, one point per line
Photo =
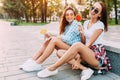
x=60 y=53
x=50 y=48
x=43 y=47
x=86 y=54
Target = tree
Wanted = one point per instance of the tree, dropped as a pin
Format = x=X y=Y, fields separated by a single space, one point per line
x=110 y=5
x=115 y=6
x=14 y=8
x=31 y=10
x=45 y=17
x=32 y=7
x=54 y=6
x=44 y=10
x=26 y=11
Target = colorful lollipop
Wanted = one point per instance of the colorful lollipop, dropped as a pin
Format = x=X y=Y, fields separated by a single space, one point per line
x=43 y=31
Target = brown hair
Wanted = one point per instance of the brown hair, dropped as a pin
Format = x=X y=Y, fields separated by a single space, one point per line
x=63 y=21
x=103 y=17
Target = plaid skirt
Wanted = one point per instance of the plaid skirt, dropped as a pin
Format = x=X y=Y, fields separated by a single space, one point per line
x=101 y=56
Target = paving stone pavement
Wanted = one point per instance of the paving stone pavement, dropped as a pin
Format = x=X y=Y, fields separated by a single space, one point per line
x=18 y=43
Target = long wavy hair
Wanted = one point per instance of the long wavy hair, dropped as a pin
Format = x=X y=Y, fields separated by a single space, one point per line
x=63 y=21
x=104 y=16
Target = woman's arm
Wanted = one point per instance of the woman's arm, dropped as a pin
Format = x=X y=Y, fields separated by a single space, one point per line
x=94 y=37
x=82 y=37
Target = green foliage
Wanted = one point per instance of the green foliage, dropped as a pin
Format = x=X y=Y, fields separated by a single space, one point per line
x=54 y=5
x=31 y=24
x=14 y=21
x=14 y=8
x=31 y=10
x=112 y=22
x=118 y=2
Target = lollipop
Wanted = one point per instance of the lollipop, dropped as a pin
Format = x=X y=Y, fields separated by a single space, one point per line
x=78 y=17
x=43 y=31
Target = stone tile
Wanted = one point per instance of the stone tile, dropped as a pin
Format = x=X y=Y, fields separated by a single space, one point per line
x=13 y=68
x=3 y=69
x=1 y=65
x=20 y=76
x=118 y=78
x=9 y=73
x=36 y=78
x=2 y=78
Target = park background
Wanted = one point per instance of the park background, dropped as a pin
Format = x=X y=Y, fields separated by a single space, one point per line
x=21 y=22
x=37 y=12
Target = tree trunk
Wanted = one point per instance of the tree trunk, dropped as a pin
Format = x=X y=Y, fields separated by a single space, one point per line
x=26 y=18
x=115 y=5
x=33 y=11
x=42 y=11
x=45 y=16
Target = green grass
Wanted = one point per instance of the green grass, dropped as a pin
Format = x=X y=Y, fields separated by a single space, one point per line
x=31 y=24
x=112 y=22
x=22 y=23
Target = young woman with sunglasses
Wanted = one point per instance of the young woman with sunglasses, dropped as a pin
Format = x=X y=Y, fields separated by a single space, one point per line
x=69 y=35
x=93 y=51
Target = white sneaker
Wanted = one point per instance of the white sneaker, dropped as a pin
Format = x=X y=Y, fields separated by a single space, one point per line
x=46 y=73
x=86 y=74
x=26 y=63
x=31 y=65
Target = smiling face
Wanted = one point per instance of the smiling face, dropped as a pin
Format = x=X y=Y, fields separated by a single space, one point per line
x=69 y=15
x=95 y=10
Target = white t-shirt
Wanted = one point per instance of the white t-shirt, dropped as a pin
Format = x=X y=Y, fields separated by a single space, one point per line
x=89 y=32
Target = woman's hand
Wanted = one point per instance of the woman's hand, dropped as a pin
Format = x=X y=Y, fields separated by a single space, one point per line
x=82 y=37
x=47 y=40
x=80 y=29
x=76 y=64
x=47 y=35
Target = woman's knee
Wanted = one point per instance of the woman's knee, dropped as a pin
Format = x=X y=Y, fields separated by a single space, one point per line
x=77 y=45
x=54 y=40
x=60 y=53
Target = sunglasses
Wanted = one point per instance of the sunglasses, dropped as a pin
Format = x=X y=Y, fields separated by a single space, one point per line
x=95 y=10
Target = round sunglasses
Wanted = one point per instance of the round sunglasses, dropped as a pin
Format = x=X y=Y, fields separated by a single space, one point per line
x=95 y=9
